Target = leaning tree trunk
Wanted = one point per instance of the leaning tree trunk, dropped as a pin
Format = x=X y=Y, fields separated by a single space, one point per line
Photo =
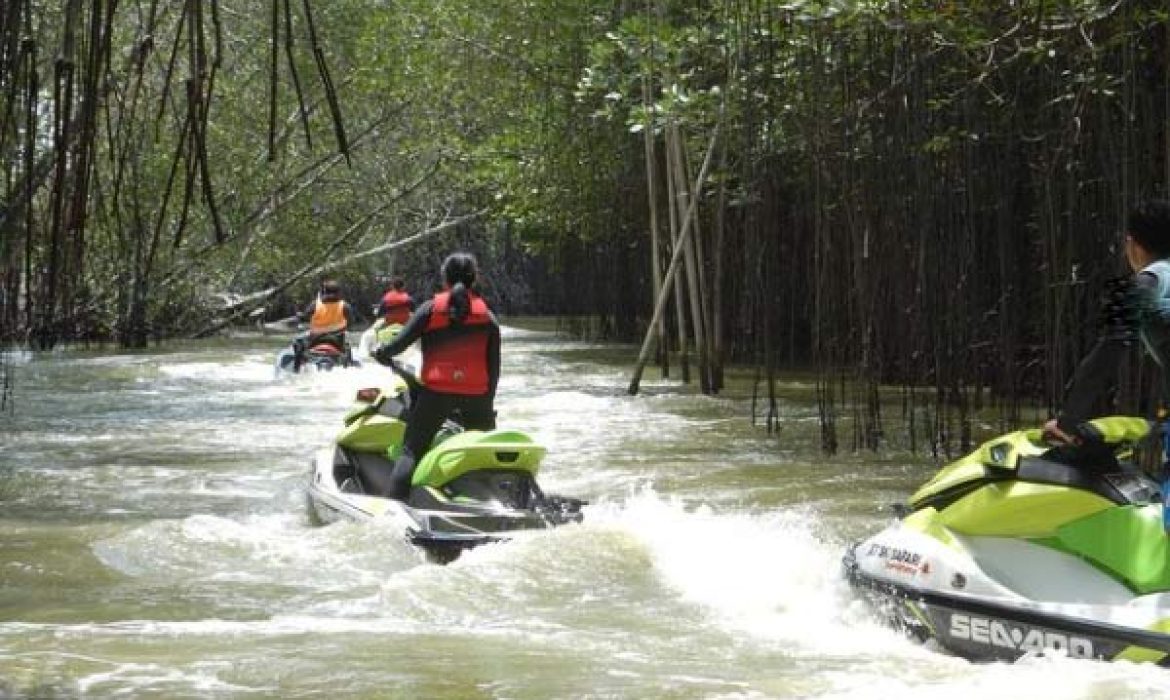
x=694 y=288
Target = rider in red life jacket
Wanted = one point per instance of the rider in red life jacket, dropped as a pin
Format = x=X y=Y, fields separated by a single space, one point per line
x=461 y=368
x=396 y=304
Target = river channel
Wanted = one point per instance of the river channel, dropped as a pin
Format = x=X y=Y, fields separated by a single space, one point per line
x=154 y=543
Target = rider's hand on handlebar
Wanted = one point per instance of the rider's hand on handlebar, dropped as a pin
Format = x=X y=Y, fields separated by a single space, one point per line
x=380 y=354
x=1053 y=433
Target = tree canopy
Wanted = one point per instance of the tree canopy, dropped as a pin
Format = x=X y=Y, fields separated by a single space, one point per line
x=922 y=193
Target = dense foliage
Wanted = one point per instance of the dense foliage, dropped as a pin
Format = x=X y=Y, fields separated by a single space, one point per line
x=922 y=193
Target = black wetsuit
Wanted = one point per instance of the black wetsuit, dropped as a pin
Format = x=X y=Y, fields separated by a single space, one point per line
x=1146 y=315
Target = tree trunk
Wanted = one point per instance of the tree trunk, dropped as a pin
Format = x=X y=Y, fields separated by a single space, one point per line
x=652 y=194
x=695 y=290
x=679 y=281
x=671 y=270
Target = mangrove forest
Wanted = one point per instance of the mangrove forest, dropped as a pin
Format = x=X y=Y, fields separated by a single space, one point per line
x=910 y=202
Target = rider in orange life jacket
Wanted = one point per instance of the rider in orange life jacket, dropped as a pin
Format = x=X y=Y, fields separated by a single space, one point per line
x=396 y=305
x=1140 y=311
x=329 y=316
x=461 y=368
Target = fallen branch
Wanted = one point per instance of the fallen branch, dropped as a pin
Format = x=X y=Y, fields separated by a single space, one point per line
x=244 y=304
x=285 y=192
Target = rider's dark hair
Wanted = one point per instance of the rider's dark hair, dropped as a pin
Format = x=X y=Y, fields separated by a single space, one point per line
x=459 y=270
x=1149 y=224
x=330 y=289
x=398 y=283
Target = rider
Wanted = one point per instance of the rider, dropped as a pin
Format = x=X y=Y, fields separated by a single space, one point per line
x=1144 y=313
x=329 y=316
x=396 y=304
x=461 y=367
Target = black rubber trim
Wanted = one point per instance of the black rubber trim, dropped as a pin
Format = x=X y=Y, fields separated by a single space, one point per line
x=1038 y=470
x=945 y=498
x=430 y=539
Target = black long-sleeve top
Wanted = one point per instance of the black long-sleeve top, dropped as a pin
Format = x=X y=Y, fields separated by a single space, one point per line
x=1097 y=372
x=415 y=329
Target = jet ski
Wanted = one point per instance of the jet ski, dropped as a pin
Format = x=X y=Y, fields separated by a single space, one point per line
x=322 y=356
x=470 y=488
x=1025 y=548
x=380 y=333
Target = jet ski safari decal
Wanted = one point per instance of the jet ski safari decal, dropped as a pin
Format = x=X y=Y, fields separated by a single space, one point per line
x=1022 y=548
x=899 y=560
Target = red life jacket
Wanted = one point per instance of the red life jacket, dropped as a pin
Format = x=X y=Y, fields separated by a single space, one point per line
x=397 y=306
x=455 y=355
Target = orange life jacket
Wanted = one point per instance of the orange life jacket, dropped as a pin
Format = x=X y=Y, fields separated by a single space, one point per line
x=455 y=355
x=396 y=305
x=328 y=317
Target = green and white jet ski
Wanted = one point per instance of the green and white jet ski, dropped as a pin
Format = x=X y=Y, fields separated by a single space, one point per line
x=380 y=333
x=470 y=488
x=1023 y=548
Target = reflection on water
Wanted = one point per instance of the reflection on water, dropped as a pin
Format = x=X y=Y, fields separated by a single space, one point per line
x=155 y=544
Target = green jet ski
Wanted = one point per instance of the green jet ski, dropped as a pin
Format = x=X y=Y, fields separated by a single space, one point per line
x=469 y=489
x=381 y=333
x=1022 y=548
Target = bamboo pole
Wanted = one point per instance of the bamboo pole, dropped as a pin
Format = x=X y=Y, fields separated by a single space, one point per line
x=652 y=194
x=652 y=189
x=706 y=359
x=675 y=257
x=695 y=288
x=717 y=290
x=684 y=358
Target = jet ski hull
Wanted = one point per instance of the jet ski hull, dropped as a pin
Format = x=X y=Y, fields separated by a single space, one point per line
x=930 y=591
x=442 y=529
x=320 y=361
x=1022 y=547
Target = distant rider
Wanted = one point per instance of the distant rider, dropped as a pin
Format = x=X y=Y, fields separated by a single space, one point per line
x=461 y=368
x=329 y=316
x=1141 y=311
x=396 y=305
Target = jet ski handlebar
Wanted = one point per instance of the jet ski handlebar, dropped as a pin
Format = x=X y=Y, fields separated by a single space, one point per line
x=1097 y=439
x=412 y=381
